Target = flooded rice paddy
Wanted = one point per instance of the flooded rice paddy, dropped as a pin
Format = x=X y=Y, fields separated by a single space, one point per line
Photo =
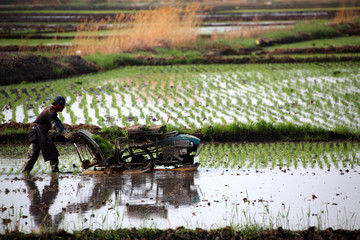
x=319 y=94
x=293 y=185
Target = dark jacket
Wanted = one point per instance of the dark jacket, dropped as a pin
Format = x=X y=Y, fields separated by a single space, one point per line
x=39 y=132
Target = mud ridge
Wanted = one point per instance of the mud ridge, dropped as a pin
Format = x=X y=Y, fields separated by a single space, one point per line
x=314 y=50
x=32 y=48
x=17 y=133
x=182 y=233
x=266 y=42
x=32 y=68
x=241 y=60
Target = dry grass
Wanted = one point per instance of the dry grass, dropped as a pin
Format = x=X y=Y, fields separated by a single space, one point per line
x=161 y=27
x=345 y=14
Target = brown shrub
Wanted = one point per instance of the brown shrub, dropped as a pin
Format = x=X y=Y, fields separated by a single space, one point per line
x=345 y=14
x=165 y=26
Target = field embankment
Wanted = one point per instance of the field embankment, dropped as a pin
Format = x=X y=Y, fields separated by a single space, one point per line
x=182 y=233
x=13 y=132
x=33 y=68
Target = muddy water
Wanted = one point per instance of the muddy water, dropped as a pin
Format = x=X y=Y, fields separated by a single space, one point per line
x=208 y=198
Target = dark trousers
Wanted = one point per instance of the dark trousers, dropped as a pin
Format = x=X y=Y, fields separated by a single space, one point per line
x=33 y=155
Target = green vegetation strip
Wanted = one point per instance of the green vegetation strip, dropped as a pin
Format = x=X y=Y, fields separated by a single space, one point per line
x=289 y=10
x=335 y=42
x=69 y=11
x=34 y=42
x=113 y=61
x=256 y=131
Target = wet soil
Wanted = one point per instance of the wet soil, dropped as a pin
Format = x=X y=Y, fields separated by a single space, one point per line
x=32 y=68
x=182 y=233
x=31 y=48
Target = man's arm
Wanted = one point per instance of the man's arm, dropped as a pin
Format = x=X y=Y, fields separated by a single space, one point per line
x=57 y=125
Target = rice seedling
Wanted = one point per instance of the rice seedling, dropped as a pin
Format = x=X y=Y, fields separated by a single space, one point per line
x=334 y=160
x=280 y=156
x=288 y=158
x=11 y=170
x=235 y=155
x=266 y=156
x=303 y=161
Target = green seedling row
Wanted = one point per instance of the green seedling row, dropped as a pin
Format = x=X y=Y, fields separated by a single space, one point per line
x=281 y=155
x=303 y=155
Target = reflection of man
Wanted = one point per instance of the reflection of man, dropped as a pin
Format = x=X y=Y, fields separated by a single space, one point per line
x=40 y=204
x=40 y=140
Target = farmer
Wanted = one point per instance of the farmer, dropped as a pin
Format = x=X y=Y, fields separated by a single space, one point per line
x=40 y=140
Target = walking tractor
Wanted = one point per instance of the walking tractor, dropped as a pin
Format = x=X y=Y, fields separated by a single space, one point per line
x=145 y=148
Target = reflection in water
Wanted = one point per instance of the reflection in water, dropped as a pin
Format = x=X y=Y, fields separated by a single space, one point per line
x=144 y=195
x=40 y=203
x=293 y=199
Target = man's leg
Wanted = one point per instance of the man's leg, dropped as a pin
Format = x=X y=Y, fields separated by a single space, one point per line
x=33 y=155
x=54 y=164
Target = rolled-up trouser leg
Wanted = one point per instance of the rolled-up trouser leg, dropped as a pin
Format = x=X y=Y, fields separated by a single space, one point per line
x=33 y=155
x=54 y=164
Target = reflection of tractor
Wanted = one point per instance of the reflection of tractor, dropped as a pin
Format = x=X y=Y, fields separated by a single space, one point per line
x=143 y=149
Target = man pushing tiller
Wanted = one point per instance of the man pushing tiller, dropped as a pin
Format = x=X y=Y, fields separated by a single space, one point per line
x=40 y=140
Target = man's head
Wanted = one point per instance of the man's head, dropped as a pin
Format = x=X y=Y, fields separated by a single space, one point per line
x=59 y=103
